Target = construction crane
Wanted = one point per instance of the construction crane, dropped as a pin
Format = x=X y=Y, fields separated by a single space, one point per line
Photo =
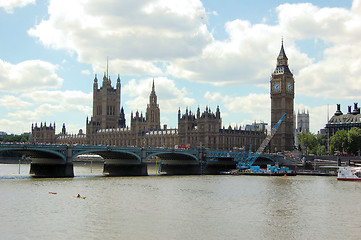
x=251 y=158
x=269 y=137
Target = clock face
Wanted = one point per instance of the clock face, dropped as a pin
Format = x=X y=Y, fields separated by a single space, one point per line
x=289 y=87
x=276 y=87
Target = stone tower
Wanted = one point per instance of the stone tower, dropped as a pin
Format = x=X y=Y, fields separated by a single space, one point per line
x=107 y=113
x=282 y=101
x=303 y=124
x=153 y=111
x=43 y=134
x=303 y=121
x=151 y=120
x=199 y=130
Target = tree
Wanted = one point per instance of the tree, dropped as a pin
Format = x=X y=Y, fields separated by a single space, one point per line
x=308 y=141
x=354 y=141
x=16 y=138
x=322 y=144
x=339 y=141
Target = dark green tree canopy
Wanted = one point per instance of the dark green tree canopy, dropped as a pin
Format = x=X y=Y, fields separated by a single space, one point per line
x=349 y=142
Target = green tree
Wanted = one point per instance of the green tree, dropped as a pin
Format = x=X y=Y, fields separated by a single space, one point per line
x=339 y=141
x=354 y=141
x=16 y=138
x=308 y=141
x=322 y=144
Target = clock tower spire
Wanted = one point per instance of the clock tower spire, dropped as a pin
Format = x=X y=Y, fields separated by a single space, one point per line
x=282 y=101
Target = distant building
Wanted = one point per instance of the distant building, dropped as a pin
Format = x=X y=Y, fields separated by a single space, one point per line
x=3 y=134
x=256 y=126
x=303 y=121
x=43 y=133
x=303 y=124
x=343 y=121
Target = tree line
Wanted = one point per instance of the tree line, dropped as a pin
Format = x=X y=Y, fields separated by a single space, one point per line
x=342 y=141
x=25 y=137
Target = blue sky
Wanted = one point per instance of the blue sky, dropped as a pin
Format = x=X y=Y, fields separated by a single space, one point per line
x=200 y=53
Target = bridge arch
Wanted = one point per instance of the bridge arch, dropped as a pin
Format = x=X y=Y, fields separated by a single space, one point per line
x=35 y=153
x=113 y=154
x=173 y=155
x=263 y=160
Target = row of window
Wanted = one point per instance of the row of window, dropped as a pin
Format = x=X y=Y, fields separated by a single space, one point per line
x=110 y=110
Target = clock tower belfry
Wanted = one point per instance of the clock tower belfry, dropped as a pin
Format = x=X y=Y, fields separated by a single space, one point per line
x=282 y=100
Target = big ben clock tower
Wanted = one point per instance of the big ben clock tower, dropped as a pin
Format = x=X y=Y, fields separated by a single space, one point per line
x=282 y=98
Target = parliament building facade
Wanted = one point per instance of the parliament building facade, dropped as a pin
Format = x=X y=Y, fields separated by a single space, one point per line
x=107 y=125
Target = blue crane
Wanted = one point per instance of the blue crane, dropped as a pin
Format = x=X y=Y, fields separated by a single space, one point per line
x=251 y=158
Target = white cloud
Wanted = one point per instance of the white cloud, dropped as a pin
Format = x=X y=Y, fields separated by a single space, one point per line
x=12 y=102
x=213 y=97
x=62 y=101
x=171 y=38
x=28 y=75
x=85 y=72
x=337 y=75
x=9 y=5
x=15 y=126
x=40 y=106
x=138 y=30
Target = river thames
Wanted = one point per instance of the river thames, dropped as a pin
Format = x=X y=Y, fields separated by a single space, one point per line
x=176 y=207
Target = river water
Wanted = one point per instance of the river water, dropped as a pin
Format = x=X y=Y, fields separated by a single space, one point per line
x=176 y=207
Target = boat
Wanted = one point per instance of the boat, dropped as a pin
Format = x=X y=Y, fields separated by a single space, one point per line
x=270 y=171
x=349 y=173
x=52 y=192
x=79 y=197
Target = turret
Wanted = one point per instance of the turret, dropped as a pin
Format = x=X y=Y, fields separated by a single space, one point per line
x=118 y=82
x=218 y=113
x=95 y=85
x=63 y=130
x=104 y=79
x=282 y=62
x=282 y=59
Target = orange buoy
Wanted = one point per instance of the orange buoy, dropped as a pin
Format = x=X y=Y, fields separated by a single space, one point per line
x=285 y=175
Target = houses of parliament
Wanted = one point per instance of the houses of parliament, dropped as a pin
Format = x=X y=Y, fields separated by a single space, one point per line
x=108 y=126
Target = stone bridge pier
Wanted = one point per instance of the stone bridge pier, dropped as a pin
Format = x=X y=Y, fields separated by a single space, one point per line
x=51 y=165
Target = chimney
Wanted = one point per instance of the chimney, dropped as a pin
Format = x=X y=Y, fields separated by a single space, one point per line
x=338 y=111
x=355 y=109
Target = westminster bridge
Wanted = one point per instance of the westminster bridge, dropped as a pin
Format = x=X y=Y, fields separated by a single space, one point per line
x=57 y=160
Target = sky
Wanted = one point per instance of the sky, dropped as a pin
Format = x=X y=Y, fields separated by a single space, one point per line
x=200 y=54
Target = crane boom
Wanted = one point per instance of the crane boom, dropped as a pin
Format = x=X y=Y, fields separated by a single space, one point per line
x=269 y=137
